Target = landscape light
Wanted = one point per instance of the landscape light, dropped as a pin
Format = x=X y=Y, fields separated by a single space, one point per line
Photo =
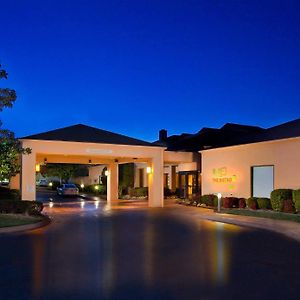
x=50 y=184
x=82 y=185
x=219 y=201
x=96 y=187
x=149 y=170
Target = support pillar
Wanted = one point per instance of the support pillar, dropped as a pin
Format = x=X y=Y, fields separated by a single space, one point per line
x=28 y=191
x=15 y=183
x=112 y=183
x=156 y=182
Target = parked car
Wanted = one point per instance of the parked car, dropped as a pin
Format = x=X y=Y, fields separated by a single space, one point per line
x=67 y=189
x=42 y=183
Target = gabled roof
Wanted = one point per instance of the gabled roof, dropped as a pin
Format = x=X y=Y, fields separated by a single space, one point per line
x=87 y=134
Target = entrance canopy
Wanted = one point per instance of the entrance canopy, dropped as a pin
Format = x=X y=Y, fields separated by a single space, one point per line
x=83 y=144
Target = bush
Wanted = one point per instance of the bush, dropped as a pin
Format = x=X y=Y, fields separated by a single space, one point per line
x=242 y=203
x=228 y=202
x=288 y=206
x=296 y=199
x=55 y=185
x=209 y=200
x=138 y=192
x=252 y=202
x=167 y=192
x=31 y=208
x=278 y=196
x=95 y=189
x=8 y=194
x=264 y=203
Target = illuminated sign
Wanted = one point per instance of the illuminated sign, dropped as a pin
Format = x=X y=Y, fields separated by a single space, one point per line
x=220 y=175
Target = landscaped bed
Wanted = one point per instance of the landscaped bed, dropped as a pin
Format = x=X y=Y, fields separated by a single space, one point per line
x=8 y=220
x=263 y=214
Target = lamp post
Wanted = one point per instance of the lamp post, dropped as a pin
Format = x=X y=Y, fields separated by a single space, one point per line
x=219 y=202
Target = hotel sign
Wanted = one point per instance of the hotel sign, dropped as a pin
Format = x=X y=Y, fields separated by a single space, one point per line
x=220 y=175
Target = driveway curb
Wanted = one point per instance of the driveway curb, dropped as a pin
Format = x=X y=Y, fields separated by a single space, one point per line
x=14 y=229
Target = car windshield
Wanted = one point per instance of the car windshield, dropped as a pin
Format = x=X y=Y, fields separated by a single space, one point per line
x=69 y=186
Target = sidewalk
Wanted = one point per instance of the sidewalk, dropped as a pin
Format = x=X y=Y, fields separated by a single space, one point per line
x=288 y=228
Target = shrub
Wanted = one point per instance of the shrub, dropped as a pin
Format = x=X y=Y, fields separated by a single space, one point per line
x=278 y=196
x=264 y=203
x=228 y=202
x=9 y=194
x=167 y=192
x=96 y=189
x=55 y=185
x=138 y=192
x=288 y=206
x=209 y=200
x=242 y=203
x=296 y=199
x=252 y=202
x=21 y=207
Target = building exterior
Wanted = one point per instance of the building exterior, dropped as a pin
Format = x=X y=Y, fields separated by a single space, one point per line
x=237 y=160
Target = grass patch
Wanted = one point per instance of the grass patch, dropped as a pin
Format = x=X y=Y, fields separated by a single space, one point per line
x=8 y=220
x=264 y=214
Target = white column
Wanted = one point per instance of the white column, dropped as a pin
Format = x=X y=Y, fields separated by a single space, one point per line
x=112 y=182
x=28 y=177
x=155 y=182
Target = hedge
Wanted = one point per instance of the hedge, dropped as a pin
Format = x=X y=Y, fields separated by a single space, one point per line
x=101 y=189
x=31 y=208
x=296 y=199
x=264 y=203
x=209 y=200
x=278 y=196
x=138 y=192
x=9 y=194
x=252 y=202
x=242 y=203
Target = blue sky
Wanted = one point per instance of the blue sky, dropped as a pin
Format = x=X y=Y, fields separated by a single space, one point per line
x=135 y=67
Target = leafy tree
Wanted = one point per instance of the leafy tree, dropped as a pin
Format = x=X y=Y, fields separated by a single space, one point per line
x=10 y=147
x=63 y=171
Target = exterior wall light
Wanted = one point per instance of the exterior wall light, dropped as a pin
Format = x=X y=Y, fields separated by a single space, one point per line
x=37 y=168
x=106 y=173
x=149 y=170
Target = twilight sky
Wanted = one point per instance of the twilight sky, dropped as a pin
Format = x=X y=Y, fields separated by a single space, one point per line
x=137 y=66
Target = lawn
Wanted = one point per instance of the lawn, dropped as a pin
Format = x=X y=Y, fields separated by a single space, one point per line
x=8 y=220
x=264 y=214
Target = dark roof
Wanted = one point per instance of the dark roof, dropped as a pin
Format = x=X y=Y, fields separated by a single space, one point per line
x=88 y=134
x=231 y=134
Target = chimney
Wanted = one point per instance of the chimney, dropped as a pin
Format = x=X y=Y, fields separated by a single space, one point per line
x=163 y=135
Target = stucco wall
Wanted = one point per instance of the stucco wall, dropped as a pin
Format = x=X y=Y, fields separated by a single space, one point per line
x=228 y=170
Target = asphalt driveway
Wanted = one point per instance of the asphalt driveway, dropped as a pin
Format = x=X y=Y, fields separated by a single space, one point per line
x=91 y=252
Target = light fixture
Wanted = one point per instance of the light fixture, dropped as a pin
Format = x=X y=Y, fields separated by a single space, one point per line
x=106 y=173
x=90 y=161
x=82 y=185
x=45 y=160
x=50 y=184
x=149 y=170
x=96 y=187
x=37 y=168
x=219 y=195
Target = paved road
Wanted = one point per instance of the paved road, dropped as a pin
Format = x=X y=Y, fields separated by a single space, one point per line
x=91 y=252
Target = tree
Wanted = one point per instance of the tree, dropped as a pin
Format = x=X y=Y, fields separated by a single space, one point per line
x=10 y=147
x=63 y=171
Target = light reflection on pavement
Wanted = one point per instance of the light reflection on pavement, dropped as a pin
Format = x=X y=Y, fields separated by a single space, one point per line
x=127 y=251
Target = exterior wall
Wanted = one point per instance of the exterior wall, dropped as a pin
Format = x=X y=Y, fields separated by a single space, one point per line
x=228 y=170
x=137 y=167
x=93 y=178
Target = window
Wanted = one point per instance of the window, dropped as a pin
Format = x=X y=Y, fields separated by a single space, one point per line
x=262 y=181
